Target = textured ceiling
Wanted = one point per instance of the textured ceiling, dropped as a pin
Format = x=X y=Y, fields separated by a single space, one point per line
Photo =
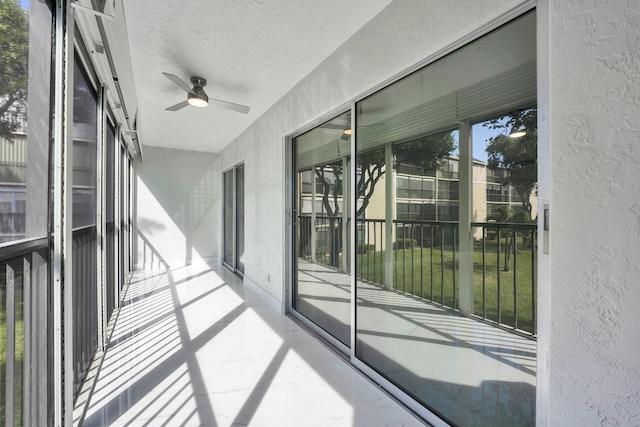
x=250 y=52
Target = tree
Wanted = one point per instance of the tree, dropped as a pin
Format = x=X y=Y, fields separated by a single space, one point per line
x=14 y=55
x=517 y=155
x=428 y=153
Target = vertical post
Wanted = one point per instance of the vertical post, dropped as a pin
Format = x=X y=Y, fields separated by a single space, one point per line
x=66 y=228
x=353 y=209
x=313 y=214
x=101 y=291
x=40 y=285
x=117 y=217
x=130 y=211
x=389 y=211
x=465 y=219
x=30 y=345
x=62 y=226
x=10 y=339
x=345 y=214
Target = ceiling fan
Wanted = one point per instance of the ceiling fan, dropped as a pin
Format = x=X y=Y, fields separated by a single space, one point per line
x=197 y=97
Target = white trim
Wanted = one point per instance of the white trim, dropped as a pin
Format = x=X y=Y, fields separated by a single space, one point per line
x=58 y=212
x=543 y=303
x=410 y=403
x=79 y=7
x=290 y=225
x=271 y=301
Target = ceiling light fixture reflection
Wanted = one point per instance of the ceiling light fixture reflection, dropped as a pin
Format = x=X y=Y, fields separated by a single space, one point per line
x=517 y=134
x=347 y=131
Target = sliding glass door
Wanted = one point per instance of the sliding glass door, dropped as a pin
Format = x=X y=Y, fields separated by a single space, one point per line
x=441 y=277
x=233 y=183
x=322 y=287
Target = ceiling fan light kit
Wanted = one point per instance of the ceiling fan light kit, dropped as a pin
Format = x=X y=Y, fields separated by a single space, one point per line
x=198 y=97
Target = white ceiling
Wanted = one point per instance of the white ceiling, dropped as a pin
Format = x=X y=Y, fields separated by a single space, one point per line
x=250 y=52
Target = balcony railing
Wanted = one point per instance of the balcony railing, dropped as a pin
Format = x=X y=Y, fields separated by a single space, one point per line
x=326 y=246
x=507 y=275
x=425 y=259
x=25 y=333
x=85 y=301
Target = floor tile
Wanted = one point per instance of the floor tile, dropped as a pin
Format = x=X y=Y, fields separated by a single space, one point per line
x=194 y=347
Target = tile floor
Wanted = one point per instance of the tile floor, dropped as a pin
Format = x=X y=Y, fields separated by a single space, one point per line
x=468 y=371
x=194 y=347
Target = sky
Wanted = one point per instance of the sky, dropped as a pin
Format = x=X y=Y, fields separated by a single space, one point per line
x=480 y=137
x=24 y=4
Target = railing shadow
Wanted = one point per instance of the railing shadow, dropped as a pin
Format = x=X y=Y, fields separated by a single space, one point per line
x=151 y=258
x=157 y=320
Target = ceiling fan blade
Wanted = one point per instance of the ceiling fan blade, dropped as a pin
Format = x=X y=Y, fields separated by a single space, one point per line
x=177 y=107
x=178 y=81
x=229 y=105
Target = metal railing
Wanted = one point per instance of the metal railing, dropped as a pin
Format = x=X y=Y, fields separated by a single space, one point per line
x=425 y=261
x=25 y=319
x=110 y=267
x=508 y=267
x=327 y=247
x=424 y=258
x=86 y=314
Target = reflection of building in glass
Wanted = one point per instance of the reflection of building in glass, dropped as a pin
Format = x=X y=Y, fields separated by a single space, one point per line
x=427 y=195
x=434 y=195
x=13 y=178
x=420 y=195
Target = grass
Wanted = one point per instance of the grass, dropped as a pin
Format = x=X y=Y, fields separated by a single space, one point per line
x=432 y=274
x=18 y=373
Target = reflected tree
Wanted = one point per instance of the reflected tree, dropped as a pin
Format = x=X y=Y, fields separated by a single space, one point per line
x=516 y=155
x=429 y=153
x=331 y=177
x=14 y=52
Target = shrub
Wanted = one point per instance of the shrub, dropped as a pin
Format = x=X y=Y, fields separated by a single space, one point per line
x=405 y=244
x=364 y=248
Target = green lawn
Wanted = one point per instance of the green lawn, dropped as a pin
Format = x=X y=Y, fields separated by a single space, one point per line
x=19 y=353
x=432 y=274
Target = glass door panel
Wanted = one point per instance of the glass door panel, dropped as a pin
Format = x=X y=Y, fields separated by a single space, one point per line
x=233 y=182
x=421 y=216
x=505 y=231
x=229 y=252
x=322 y=286
x=240 y=218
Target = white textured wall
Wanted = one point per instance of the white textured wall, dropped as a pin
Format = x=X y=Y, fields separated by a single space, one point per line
x=403 y=34
x=178 y=207
x=590 y=175
x=595 y=213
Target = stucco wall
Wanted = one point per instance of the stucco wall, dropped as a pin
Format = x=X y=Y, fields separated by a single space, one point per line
x=403 y=34
x=178 y=203
x=594 y=253
x=589 y=62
